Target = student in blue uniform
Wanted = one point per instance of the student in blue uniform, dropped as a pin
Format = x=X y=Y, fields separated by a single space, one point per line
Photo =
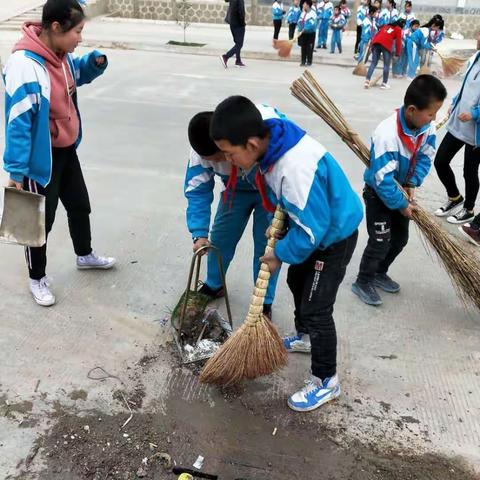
x=277 y=15
x=307 y=26
x=362 y=13
x=323 y=217
x=369 y=29
x=401 y=66
x=419 y=40
x=239 y=201
x=402 y=151
x=337 y=24
x=293 y=16
x=327 y=11
x=408 y=15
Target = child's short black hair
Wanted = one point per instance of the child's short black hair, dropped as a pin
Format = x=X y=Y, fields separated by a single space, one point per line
x=68 y=13
x=308 y=2
x=199 y=134
x=424 y=90
x=408 y=3
x=237 y=119
x=414 y=22
x=372 y=10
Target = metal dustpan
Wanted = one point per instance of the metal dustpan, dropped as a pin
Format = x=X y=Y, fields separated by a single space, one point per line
x=209 y=327
x=23 y=218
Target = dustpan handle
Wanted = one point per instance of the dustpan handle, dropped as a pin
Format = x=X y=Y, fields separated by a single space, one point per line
x=263 y=279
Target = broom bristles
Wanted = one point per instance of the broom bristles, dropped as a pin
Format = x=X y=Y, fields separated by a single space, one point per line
x=456 y=260
x=452 y=65
x=284 y=47
x=252 y=351
x=361 y=69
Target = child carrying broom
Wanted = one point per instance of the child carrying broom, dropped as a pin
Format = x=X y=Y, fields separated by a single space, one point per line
x=324 y=213
x=402 y=151
x=240 y=200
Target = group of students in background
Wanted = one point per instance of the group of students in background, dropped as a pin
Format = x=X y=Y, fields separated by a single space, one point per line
x=381 y=31
x=312 y=20
x=388 y=33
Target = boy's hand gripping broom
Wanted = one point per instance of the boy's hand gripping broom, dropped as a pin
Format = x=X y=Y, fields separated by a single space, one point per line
x=256 y=348
x=457 y=261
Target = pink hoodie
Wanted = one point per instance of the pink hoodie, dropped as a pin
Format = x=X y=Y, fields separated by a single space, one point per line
x=64 y=121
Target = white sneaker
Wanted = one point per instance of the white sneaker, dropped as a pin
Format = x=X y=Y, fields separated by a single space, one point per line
x=385 y=86
x=314 y=394
x=41 y=293
x=366 y=84
x=94 y=261
x=298 y=343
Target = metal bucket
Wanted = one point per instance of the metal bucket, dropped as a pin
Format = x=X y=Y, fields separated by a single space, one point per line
x=23 y=218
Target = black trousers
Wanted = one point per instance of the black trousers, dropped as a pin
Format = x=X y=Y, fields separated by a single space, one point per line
x=68 y=186
x=277 y=25
x=449 y=147
x=314 y=285
x=238 y=34
x=291 y=30
x=359 y=37
x=387 y=236
x=307 y=42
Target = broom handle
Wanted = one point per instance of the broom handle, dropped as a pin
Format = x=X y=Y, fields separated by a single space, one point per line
x=261 y=285
x=367 y=49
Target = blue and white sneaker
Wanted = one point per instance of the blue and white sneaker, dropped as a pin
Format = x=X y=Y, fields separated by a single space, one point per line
x=314 y=394
x=298 y=343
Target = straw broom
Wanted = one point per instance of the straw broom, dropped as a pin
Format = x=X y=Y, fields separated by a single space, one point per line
x=464 y=273
x=452 y=65
x=256 y=348
x=361 y=68
x=284 y=47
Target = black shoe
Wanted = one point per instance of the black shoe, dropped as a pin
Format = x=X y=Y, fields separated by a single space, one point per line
x=367 y=293
x=224 y=60
x=383 y=281
x=302 y=64
x=463 y=216
x=309 y=64
x=210 y=292
x=450 y=207
x=267 y=310
x=240 y=64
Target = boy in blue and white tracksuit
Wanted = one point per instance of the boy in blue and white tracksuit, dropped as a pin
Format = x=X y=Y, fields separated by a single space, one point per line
x=337 y=24
x=401 y=155
x=323 y=217
x=239 y=201
x=362 y=13
x=277 y=16
x=418 y=41
x=327 y=12
x=293 y=16
x=369 y=29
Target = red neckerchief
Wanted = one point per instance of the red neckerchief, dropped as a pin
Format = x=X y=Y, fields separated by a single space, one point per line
x=260 y=182
x=412 y=147
x=231 y=186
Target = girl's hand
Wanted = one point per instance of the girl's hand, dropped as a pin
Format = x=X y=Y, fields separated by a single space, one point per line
x=101 y=60
x=465 y=117
x=14 y=184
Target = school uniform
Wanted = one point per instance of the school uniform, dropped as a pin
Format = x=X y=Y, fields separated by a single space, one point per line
x=327 y=12
x=293 y=16
x=337 y=24
x=308 y=25
x=277 y=15
x=398 y=156
x=323 y=217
